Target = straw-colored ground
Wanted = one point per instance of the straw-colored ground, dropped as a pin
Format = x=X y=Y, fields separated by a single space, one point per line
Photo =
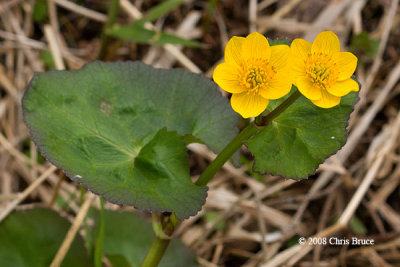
x=355 y=193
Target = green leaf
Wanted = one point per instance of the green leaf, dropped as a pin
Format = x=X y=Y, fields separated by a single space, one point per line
x=136 y=32
x=127 y=238
x=40 y=11
x=32 y=238
x=357 y=226
x=117 y=128
x=362 y=44
x=273 y=42
x=161 y=9
x=47 y=59
x=300 y=138
x=212 y=216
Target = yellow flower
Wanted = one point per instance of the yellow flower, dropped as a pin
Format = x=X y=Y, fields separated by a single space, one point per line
x=320 y=71
x=253 y=72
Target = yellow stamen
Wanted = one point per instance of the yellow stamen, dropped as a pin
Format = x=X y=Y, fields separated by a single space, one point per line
x=322 y=70
x=256 y=74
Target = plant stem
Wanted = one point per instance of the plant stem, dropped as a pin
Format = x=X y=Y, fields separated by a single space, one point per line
x=156 y=252
x=279 y=109
x=105 y=39
x=163 y=227
x=244 y=135
x=226 y=154
x=98 y=251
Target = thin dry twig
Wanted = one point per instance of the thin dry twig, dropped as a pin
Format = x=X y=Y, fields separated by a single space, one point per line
x=82 y=10
x=62 y=251
x=13 y=204
x=54 y=47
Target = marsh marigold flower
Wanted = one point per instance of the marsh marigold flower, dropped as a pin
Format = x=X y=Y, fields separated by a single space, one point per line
x=253 y=72
x=320 y=71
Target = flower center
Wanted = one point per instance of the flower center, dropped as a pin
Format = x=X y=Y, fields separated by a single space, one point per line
x=322 y=70
x=256 y=74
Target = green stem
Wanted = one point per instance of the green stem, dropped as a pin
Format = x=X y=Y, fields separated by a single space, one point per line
x=163 y=228
x=226 y=154
x=105 y=39
x=279 y=109
x=155 y=253
x=98 y=251
x=244 y=135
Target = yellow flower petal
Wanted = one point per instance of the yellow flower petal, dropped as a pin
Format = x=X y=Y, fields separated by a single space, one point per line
x=256 y=46
x=227 y=77
x=248 y=104
x=300 y=50
x=233 y=50
x=279 y=56
x=342 y=88
x=347 y=63
x=326 y=43
x=327 y=100
x=307 y=88
x=298 y=68
x=279 y=86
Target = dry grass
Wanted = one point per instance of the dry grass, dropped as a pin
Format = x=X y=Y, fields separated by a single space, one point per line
x=263 y=220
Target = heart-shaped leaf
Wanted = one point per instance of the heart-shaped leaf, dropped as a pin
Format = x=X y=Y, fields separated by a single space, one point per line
x=32 y=238
x=300 y=138
x=104 y=126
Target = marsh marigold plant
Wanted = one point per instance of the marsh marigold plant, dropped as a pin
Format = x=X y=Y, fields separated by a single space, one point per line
x=320 y=71
x=254 y=72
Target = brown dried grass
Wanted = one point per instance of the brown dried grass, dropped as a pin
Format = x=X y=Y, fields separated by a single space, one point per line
x=263 y=220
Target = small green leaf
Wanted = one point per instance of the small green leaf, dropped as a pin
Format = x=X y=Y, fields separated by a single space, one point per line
x=136 y=32
x=40 y=11
x=211 y=216
x=47 y=59
x=161 y=9
x=273 y=42
x=117 y=128
x=127 y=238
x=32 y=238
x=293 y=241
x=362 y=44
x=300 y=138
x=357 y=226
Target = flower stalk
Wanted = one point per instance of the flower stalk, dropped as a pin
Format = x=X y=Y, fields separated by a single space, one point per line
x=156 y=252
x=163 y=227
x=226 y=154
x=244 y=135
